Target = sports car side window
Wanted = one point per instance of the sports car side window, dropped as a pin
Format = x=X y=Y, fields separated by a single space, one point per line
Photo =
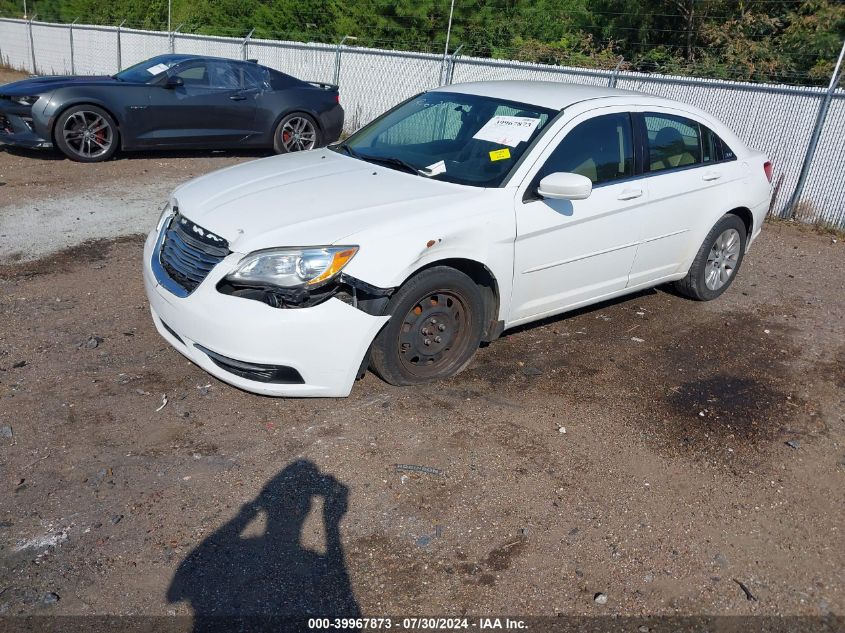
x=255 y=77
x=223 y=76
x=193 y=75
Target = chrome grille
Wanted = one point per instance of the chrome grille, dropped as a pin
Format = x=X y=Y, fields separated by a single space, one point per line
x=189 y=252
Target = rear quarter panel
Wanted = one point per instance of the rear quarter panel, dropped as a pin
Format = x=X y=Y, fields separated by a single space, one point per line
x=320 y=104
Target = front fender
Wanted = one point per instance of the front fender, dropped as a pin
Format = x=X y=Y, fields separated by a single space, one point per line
x=60 y=101
x=388 y=261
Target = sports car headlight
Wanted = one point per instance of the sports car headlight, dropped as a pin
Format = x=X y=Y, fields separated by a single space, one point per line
x=27 y=101
x=293 y=267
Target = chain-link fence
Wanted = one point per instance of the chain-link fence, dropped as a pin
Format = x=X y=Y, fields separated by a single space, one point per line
x=776 y=119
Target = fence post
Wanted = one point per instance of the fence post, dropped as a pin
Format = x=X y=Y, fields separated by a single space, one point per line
x=173 y=39
x=72 y=61
x=337 y=58
x=789 y=210
x=615 y=74
x=245 y=43
x=32 y=45
x=119 y=61
x=453 y=60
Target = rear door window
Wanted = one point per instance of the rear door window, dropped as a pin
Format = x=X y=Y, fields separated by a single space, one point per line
x=673 y=142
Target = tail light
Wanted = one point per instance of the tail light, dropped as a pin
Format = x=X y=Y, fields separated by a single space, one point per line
x=337 y=98
x=767 y=167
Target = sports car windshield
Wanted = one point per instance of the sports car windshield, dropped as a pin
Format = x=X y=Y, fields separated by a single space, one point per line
x=143 y=72
x=461 y=138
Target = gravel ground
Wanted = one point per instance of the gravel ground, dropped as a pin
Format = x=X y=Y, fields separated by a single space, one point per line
x=653 y=449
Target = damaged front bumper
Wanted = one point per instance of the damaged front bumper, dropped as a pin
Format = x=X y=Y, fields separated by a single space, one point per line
x=18 y=129
x=313 y=351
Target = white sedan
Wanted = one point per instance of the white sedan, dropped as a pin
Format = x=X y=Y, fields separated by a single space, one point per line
x=460 y=213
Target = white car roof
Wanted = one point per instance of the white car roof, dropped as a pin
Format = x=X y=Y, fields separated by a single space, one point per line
x=546 y=94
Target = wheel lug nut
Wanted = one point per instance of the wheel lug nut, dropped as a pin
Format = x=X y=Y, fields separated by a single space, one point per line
x=437 y=339
x=441 y=327
x=427 y=341
x=425 y=331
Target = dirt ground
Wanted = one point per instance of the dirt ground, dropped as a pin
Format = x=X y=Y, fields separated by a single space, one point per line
x=655 y=450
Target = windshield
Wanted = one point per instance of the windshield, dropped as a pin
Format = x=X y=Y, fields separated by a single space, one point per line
x=459 y=138
x=143 y=72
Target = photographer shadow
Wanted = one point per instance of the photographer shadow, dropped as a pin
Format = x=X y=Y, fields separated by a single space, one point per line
x=237 y=582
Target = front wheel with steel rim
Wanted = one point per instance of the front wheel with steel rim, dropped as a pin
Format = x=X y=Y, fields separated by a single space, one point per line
x=436 y=323
x=296 y=132
x=86 y=133
x=717 y=261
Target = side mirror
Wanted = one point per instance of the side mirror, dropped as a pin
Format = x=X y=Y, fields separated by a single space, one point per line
x=565 y=186
x=174 y=82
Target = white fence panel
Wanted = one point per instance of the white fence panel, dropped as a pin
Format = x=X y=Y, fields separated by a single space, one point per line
x=14 y=44
x=207 y=45
x=824 y=193
x=95 y=50
x=311 y=62
x=52 y=43
x=372 y=81
x=136 y=46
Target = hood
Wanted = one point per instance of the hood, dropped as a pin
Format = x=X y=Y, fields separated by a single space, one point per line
x=307 y=199
x=36 y=85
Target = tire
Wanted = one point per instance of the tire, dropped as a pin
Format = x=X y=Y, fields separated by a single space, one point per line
x=717 y=262
x=285 y=139
x=436 y=324
x=86 y=134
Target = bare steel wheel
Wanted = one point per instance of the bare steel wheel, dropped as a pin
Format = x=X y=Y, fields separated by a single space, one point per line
x=718 y=259
x=86 y=133
x=432 y=332
x=435 y=327
x=296 y=133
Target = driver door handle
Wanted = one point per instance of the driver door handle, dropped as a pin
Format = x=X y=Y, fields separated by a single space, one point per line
x=238 y=97
x=630 y=194
x=711 y=175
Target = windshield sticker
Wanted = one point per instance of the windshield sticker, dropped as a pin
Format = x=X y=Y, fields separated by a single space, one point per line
x=158 y=68
x=507 y=130
x=500 y=154
x=437 y=168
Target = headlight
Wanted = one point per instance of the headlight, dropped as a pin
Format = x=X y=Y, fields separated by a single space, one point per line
x=293 y=267
x=27 y=101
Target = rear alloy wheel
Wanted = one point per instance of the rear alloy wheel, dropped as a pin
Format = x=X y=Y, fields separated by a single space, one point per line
x=435 y=327
x=717 y=261
x=86 y=134
x=296 y=133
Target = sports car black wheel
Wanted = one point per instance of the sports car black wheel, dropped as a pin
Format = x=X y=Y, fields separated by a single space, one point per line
x=86 y=133
x=436 y=322
x=295 y=133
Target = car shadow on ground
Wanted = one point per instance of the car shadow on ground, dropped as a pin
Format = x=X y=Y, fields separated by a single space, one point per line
x=595 y=307
x=234 y=580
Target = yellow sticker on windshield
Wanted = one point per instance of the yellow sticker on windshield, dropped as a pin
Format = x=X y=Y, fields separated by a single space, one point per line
x=500 y=154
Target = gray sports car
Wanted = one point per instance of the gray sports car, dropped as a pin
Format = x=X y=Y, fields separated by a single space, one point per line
x=170 y=102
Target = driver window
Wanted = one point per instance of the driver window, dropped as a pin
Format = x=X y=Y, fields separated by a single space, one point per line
x=600 y=149
x=193 y=75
